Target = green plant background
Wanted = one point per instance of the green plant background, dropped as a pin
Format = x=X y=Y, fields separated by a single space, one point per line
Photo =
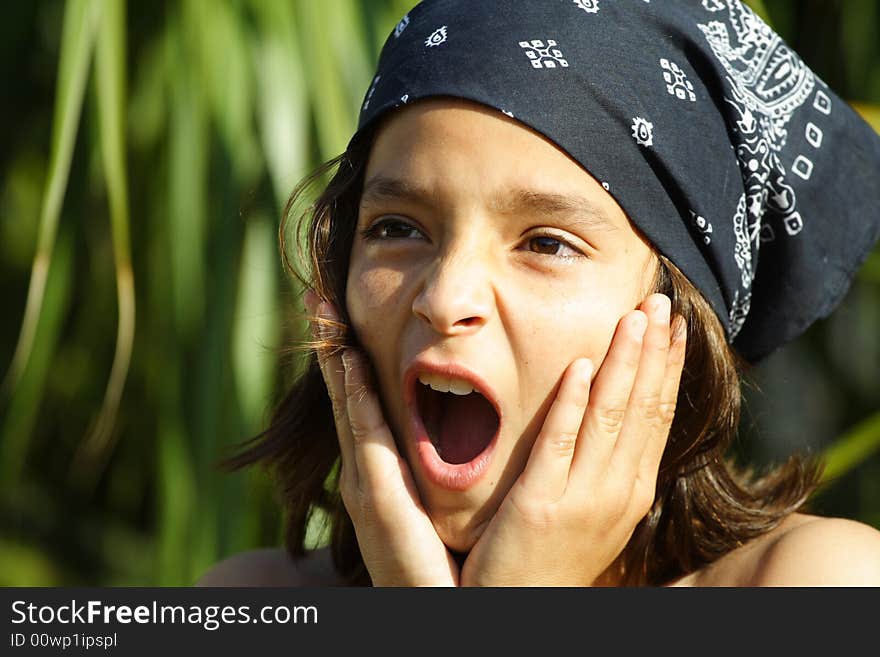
x=148 y=148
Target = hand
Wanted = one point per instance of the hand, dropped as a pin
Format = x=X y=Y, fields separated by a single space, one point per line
x=592 y=472
x=398 y=542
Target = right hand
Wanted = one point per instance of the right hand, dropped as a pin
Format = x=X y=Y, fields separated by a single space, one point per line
x=397 y=539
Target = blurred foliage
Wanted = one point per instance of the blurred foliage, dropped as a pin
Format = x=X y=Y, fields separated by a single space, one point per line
x=148 y=151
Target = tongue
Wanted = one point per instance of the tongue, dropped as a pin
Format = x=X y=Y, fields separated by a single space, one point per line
x=465 y=427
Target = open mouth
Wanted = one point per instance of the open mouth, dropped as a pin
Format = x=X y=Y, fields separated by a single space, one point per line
x=459 y=420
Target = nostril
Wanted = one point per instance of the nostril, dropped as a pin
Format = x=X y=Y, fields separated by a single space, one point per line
x=466 y=324
x=448 y=311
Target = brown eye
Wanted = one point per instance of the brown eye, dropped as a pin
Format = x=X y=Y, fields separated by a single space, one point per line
x=550 y=245
x=390 y=229
x=545 y=245
x=395 y=229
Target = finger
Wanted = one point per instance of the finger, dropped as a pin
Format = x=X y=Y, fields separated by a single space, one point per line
x=650 y=462
x=609 y=396
x=647 y=418
x=546 y=473
x=310 y=300
x=379 y=464
x=334 y=378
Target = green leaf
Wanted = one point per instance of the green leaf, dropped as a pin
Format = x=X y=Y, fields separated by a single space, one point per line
x=758 y=7
x=870 y=271
x=33 y=567
x=217 y=33
x=110 y=56
x=188 y=149
x=256 y=330
x=176 y=501
x=852 y=448
x=77 y=41
x=334 y=111
x=869 y=112
x=281 y=103
x=21 y=415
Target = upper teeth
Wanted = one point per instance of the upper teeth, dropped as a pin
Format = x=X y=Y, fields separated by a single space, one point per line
x=444 y=384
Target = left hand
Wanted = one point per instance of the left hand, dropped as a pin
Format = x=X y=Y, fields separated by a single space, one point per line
x=592 y=472
x=398 y=543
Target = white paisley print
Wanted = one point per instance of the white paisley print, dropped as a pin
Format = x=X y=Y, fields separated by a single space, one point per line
x=589 y=6
x=767 y=83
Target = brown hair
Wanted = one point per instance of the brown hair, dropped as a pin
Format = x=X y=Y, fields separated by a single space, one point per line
x=705 y=506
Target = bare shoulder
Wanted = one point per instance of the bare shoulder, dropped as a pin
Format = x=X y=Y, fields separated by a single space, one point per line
x=821 y=552
x=804 y=550
x=272 y=567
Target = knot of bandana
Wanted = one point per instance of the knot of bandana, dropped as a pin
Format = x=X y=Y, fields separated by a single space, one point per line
x=729 y=154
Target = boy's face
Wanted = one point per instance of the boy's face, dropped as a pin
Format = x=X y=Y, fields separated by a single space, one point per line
x=499 y=254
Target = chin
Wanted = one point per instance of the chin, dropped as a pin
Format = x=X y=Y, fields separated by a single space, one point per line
x=460 y=515
x=458 y=532
x=461 y=518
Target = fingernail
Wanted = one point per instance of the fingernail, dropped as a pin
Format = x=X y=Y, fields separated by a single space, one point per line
x=587 y=371
x=663 y=307
x=639 y=324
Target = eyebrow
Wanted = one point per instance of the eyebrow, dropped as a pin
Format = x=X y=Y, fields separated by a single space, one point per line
x=582 y=211
x=379 y=189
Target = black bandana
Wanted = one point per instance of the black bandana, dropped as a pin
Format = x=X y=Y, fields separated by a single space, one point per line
x=723 y=148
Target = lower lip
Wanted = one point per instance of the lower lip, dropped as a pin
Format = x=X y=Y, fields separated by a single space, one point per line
x=452 y=476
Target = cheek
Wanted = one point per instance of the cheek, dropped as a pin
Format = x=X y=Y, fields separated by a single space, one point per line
x=581 y=326
x=373 y=298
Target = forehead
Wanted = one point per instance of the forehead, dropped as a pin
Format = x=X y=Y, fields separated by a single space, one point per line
x=445 y=147
x=421 y=133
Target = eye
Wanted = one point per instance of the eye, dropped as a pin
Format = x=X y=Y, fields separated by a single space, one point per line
x=553 y=245
x=390 y=229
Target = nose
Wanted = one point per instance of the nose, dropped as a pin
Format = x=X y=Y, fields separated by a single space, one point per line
x=456 y=297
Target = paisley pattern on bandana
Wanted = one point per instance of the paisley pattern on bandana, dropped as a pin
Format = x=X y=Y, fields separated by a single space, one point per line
x=703 y=226
x=437 y=37
x=401 y=26
x=371 y=91
x=589 y=6
x=677 y=83
x=543 y=55
x=643 y=131
x=767 y=84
